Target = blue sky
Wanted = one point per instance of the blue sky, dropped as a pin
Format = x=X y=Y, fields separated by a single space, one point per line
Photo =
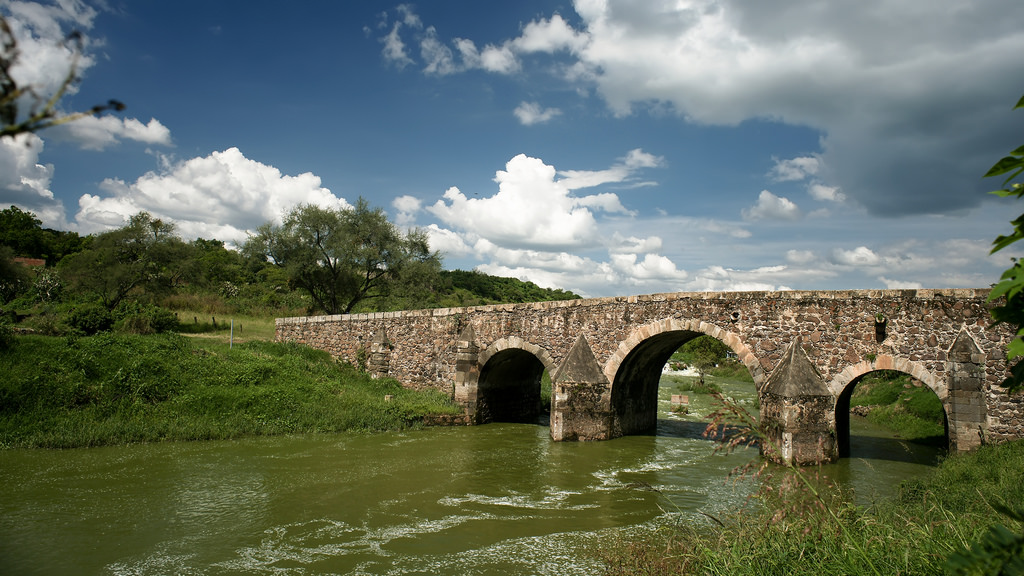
x=609 y=147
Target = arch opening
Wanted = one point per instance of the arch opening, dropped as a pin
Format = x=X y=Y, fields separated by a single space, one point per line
x=882 y=411
x=646 y=386
x=509 y=388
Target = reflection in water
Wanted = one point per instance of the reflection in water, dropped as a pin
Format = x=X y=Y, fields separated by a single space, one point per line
x=494 y=499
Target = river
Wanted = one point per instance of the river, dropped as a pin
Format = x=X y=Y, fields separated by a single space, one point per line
x=494 y=499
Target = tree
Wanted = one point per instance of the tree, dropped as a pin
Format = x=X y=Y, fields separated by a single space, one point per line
x=1011 y=284
x=344 y=257
x=23 y=232
x=144 y=254
x=704 y=353
x=14 y=277
x=42 y=112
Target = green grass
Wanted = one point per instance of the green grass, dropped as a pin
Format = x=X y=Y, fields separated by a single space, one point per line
x=119 y=388
x=789 y=531
x=691 y=384
x=911 y=411
x=204 y=324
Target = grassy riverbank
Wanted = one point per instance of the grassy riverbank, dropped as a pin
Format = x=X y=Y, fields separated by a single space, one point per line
x=801 y=533
x=897 y=402
x=65 y=392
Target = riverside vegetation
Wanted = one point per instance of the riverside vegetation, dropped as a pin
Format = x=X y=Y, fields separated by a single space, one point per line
x=959 y=519
x=93 y=348
x=115 y=388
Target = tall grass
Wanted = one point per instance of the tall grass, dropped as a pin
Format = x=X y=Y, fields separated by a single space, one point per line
x=797 y=524
x=121 y=388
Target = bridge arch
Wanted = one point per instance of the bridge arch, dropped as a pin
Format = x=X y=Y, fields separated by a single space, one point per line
x=634 y=370
x=653 y=329
x=842 y=387
x=508 y=387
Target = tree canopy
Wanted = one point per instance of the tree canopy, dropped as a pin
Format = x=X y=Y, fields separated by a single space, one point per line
x=144 y=253
x=703 y=353
x=343 y=257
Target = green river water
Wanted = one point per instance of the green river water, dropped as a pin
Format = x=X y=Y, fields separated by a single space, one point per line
x=494 y=499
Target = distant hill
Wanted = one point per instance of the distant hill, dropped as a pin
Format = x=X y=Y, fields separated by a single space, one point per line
x=473 y=288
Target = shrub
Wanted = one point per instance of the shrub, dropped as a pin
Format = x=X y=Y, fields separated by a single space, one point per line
x=6 y=334
x=136 y=318
x=90 y=318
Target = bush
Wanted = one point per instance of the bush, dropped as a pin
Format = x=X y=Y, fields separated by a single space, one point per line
x=90 y=318
x=135 y=318
x=6 y=334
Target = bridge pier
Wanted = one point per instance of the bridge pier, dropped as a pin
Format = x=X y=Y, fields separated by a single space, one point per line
x=965 y=405
x=798 y=412
x=467 y=372
x=580 y=397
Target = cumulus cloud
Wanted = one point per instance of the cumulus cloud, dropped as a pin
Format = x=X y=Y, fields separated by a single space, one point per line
x=860 y=256
x=26 y=183
x=794 y=169
x=912 y=101
x=100 y=132
x=530 y=113
x=531 y=209
x=499 y=59
x=536 y=227
x=221 y=196
x=772 y=207
x=826 y=193
x=407 y=207
x=549 y=35
x=800 y=256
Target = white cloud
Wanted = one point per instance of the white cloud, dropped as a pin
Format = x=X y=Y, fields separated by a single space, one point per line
x=26 y=183
x=99 y=132
x=530 y=209
x=826 y=193
x=438 y=57
x=549 y=35
x=217 y=196
x=394 y=49
x=860 y=256
x=622 y=172
x=44 y=58
x=800 y=256
x=530 y=113
x=450 y=243
x=499 y=59
x=794 y=169
x=899 y=284
x=635 y=245
x=721 y=279
x=911 y=98
x=652 y=266
x=527 y=228
x=772 y=207
x=407 y=207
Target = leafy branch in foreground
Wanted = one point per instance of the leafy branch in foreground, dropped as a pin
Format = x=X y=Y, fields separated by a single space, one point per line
x=1011 y=284
x=43 y=111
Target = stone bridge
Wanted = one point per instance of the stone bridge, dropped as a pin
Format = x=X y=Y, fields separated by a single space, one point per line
x=805 y=350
